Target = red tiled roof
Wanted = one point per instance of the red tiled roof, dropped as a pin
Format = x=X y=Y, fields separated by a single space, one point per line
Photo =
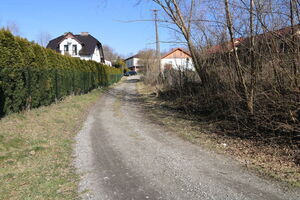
x=227 y=46
x=173 y=50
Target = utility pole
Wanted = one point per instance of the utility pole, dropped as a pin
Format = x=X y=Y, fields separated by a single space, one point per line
x=157 y=41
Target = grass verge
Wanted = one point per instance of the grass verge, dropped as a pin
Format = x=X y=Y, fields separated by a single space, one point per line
x=36 y=150
x=268 y=160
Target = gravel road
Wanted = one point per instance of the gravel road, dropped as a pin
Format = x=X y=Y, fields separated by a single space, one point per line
x=122 y=155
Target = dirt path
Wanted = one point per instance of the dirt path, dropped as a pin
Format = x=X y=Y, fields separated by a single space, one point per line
x=122 y=155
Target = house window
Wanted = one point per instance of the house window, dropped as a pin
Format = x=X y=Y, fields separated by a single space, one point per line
x=74 y=49
x=66 y=48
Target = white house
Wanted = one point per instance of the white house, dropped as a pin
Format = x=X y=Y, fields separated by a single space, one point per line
x=108 y=63
x=177 y=59
x=133 y=63
x=83 y=46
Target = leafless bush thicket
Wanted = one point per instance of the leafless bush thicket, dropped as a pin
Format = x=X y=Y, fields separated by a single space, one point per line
x=149 y=63
x=246 y=54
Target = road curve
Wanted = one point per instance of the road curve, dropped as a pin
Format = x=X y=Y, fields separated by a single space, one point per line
x=121 y=155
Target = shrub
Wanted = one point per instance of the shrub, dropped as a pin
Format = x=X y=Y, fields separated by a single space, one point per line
x=32 y=76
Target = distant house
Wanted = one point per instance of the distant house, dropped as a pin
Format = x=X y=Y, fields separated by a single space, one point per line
x=177 y=59
x=133 y=63
x=280 y=37
x=83 y=46
x=225 y=47
x=108 y=63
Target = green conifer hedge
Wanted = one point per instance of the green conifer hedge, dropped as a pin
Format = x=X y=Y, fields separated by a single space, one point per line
x=32 y=76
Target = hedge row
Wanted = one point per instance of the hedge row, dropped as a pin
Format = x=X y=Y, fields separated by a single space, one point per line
x=32 y=76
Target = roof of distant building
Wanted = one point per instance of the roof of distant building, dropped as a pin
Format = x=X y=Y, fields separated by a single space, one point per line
x=227 y=46
x=174 y=50
x=134 y=56
x=87 y=41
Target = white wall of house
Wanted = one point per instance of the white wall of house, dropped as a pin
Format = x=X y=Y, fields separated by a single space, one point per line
x=86 y=57
x=70 y=42
x=178 y=63
x=136 y=62
x=108 y=63
x=96 y=56
x=133 y=62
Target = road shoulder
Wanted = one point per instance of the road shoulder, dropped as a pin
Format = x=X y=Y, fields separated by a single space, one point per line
x=266 y=161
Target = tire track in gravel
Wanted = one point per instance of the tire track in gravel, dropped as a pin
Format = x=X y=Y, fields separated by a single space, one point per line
x=123 y=155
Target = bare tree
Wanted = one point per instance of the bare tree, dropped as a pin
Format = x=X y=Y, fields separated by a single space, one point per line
x=238 y=67
x=246 y=53
x=43 y=38
x=110 y=53
x=294 y=12
x=13 y=27
x=183 y=19
x=149 y=68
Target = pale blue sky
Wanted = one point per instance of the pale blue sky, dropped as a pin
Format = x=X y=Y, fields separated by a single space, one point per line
x=99 y=17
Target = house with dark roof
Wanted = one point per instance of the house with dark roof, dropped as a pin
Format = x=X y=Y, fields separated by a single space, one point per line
x=133 y=62
x=83 y=46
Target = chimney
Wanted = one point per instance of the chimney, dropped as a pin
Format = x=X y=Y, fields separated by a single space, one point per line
x=84 y=33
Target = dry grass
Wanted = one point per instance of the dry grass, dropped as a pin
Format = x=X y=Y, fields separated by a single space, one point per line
x=267 y=160
x=36 y=150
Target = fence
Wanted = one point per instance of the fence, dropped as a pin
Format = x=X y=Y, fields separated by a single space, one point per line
x=32 y=76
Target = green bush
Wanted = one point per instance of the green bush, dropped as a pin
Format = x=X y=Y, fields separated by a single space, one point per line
x=32 y=76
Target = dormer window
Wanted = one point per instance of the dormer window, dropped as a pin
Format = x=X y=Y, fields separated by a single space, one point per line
x=74 y=50
x=80 y=46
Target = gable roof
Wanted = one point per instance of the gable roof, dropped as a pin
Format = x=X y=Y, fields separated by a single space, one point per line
x=224 y=47
x=174 y=50
x=54 y=44
x=87 y=41
x=284 y=31
x=227 y=46
x=134 y=56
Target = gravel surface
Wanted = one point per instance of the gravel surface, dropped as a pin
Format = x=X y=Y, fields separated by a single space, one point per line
x=122 y=155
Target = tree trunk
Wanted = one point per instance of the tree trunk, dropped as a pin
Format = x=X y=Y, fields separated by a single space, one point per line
x=253 y=67
x=294 y=49
x=237 y=65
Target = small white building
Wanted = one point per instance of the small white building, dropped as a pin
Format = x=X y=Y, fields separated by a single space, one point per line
x=133 y=62
x=108 y=63
x=83 y=46
x=177 y=59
